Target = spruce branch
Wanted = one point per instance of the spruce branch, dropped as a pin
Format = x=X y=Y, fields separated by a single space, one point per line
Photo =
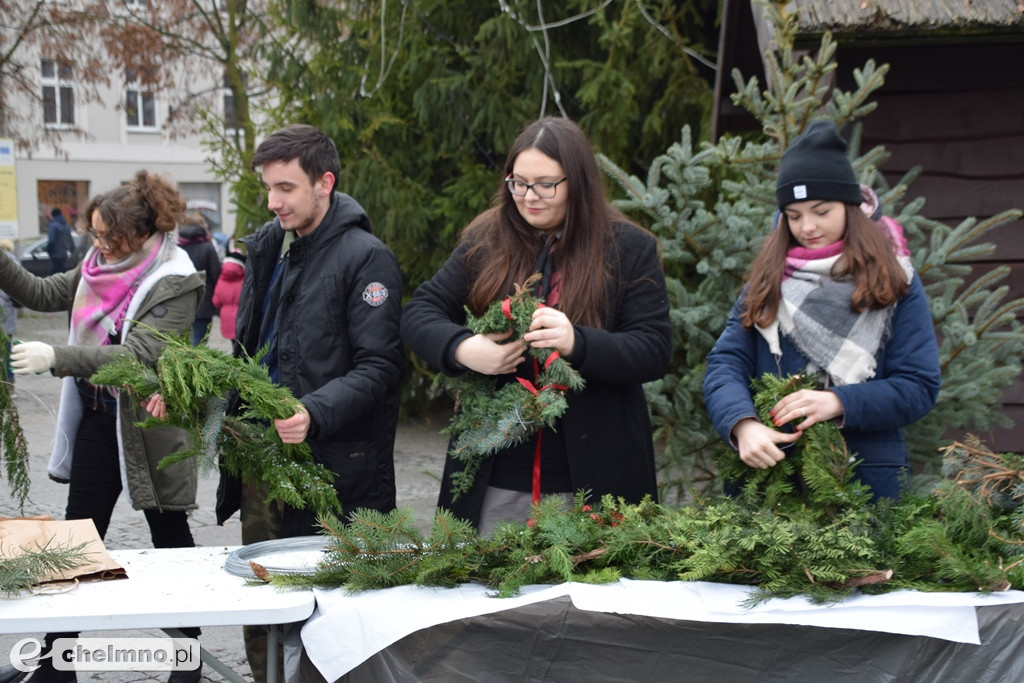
x=822 y=539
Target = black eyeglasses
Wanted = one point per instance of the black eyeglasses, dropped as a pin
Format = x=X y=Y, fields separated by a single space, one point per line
x=545 y=189
x=96 y=237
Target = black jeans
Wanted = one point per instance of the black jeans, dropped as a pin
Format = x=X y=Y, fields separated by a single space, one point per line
x=96 y=484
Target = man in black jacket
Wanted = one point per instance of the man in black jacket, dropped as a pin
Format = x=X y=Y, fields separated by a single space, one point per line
x=324 y=294
x=59 y=245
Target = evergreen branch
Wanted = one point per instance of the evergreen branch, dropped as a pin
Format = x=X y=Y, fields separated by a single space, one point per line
x=13 y=445
x=196 y=383
x=822 y=543
x=27 y=569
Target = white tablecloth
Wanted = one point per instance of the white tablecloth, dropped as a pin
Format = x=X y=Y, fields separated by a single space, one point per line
x=346 y=629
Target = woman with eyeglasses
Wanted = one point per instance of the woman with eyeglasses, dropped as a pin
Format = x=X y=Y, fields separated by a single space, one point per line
x=133 y=285
x=606 y=313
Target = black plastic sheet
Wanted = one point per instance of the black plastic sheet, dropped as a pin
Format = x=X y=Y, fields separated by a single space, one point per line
x=553 y=641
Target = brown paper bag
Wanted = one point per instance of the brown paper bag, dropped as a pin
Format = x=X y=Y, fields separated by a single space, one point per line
x=21 y=535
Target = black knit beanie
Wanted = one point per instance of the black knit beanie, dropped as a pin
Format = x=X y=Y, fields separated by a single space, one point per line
x=815 y=166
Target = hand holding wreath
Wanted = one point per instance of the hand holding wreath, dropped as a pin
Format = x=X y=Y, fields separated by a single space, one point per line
x=488 y=418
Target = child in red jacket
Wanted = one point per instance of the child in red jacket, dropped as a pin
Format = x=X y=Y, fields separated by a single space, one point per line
x=227 y=291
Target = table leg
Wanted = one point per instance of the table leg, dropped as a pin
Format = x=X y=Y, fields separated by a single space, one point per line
x=273 y=636
x=211 y=659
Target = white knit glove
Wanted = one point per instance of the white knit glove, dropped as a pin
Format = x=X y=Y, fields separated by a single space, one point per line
x=32 y=357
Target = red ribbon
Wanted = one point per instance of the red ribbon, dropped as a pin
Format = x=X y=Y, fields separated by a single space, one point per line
x=528 y=385
x=532 y=388
x=536 y=472
x=535 y=483
x=506 y=309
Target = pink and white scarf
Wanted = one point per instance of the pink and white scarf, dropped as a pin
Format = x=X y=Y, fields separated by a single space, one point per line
x=106 y=289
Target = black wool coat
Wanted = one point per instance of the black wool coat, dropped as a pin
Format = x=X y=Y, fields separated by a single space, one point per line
x=606 y=426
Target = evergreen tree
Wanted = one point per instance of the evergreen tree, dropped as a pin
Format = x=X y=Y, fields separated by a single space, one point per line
x=712 y=207
x=424 y=98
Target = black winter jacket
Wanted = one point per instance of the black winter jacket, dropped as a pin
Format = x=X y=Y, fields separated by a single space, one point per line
x=339 y=350
x=606 y=426
x=194 y=240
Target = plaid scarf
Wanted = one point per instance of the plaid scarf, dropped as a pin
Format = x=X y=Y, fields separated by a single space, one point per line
x=106 y=289
x=815 y=313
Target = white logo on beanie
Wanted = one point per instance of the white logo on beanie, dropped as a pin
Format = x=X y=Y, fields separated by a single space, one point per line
x=800 y=192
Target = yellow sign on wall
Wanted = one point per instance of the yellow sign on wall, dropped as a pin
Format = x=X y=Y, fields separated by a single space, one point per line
x=8 y=190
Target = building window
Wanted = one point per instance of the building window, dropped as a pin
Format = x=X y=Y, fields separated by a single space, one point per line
x=135 y=4
x=58 y=93
x=140 y=105
x=230 y=122
x=229 y=109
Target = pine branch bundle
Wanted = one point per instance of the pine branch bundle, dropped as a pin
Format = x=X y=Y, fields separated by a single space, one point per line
x=12 y=438
x=380 y=550
x=196 y=383
x=490 y=417
x=29 y=568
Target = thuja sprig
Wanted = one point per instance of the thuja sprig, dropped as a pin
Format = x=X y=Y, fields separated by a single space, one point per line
x=492 y=414
x=197 y=383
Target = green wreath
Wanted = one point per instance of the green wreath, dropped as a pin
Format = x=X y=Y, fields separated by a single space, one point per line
x=493 y=414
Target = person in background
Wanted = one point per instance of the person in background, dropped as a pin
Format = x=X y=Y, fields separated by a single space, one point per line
x=59 y=245
x=134 y=285
x=194 y=238
x=325 y=296
x=606 y=313
x=228 y=292
x=832 y=293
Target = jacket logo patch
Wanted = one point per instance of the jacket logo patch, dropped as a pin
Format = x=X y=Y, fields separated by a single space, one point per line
x=375 y=294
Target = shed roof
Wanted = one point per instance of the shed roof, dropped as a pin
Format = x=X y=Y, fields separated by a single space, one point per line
x=913 y=17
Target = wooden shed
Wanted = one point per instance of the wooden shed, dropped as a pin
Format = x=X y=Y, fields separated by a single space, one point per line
x=952 y=103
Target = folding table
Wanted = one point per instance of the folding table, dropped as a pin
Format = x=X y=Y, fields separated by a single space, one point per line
x=167 y=589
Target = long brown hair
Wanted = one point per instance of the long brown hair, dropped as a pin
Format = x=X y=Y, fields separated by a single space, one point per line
x=868 y=259
x=503 y=247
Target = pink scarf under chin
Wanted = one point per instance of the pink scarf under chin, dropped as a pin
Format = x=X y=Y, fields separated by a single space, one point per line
x=106 y=289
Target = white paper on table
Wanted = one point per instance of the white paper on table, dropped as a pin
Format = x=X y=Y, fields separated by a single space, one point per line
x=949 y=616
x=348 y=628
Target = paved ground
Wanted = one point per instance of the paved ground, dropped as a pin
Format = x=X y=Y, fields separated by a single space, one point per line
x=419 y=456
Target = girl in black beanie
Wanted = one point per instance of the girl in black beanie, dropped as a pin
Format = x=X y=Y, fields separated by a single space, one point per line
x=833 y=293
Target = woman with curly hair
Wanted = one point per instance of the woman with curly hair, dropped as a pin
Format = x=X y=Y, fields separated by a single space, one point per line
x=133 y=285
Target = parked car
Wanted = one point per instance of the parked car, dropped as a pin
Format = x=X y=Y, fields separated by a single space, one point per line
x=34 y=259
